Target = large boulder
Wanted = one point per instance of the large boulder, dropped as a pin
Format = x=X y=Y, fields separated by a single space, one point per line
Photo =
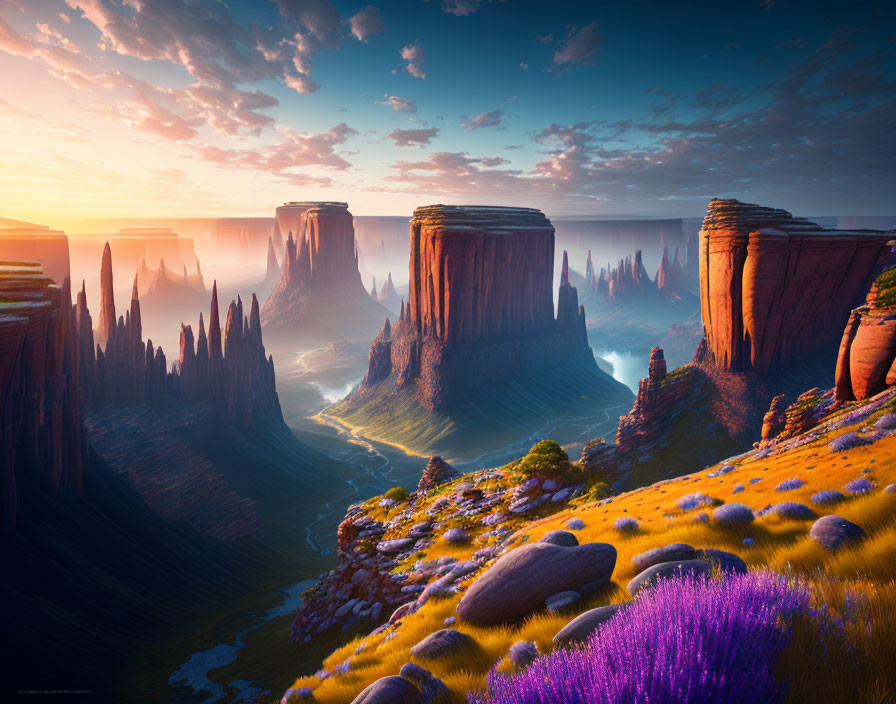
x=441 y=644
x=733 y=515
x=560 y=537
x=390 y=690
x=521 y=580
x=833 y=531
x=667 y=570
x=676 y=552
x=583 y=625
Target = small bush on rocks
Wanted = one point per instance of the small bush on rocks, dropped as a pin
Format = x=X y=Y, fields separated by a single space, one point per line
x=545 y=457
x=396 y=493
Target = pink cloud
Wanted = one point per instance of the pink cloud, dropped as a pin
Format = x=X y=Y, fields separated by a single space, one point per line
x=415 y=55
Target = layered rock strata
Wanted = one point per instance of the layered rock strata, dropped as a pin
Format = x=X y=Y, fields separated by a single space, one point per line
x=320 y=286
x=480 y=305
x=29 y=242
x=866 y=364
x=42 y=441
x=776 y=290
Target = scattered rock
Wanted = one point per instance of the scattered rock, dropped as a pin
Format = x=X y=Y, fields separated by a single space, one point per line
x=733 y=515
x=562 y=600
x=825 y=498
x=624 y=524
x=442 y=643
x=583 y=625
x=793 y=511
x=434 y=690
x=890 y=489
x=391 y=547
x=390 y=690
x=833 y=531
x=676 y=552
x=520 y=581
x=456 y=536
x=575 y=524
x=560 y=537
x=522 y=653
x=665 y=570
x=723 y=561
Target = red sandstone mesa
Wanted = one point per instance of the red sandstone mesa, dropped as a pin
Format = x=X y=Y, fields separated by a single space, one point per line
x=776 y=289
x=41 y=434
x=320 y=286
x=480 y=305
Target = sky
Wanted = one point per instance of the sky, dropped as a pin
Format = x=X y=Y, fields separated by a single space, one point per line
x=203 y=108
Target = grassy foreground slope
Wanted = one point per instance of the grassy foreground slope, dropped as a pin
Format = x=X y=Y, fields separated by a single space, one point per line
x=857 y=666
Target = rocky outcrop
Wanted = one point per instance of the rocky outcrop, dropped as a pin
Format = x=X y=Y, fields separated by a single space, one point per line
x=436 y=472
x=866 y=363
x=320 y=293
x=776 y=290
x=42 y=441
x=658 y=397
x=480 y=306
x=169 y=286
x=672 y=281
x=25 y=241
x=107 y=298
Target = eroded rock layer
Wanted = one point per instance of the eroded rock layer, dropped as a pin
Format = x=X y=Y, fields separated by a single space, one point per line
x=866 y=364
x=776 y=290
x=480 y=305
x=42 y=441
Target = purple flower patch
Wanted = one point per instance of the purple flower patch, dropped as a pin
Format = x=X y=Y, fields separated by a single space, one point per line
x=859 y=486
x=624 y=524
x=847 y=441
x=789 y=484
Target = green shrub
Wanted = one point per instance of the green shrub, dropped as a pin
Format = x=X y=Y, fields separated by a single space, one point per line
x=397 y=493
x=599 y=491
x=545 y=457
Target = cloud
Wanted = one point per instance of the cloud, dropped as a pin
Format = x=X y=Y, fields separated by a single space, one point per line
x=456 y=174
x=6 y=108
x=579 y=46
x=544 y=39
x=413 y=138
x=398 y=103
x=523 y=64
x=367 y=22
x=415 y=55
x=294 y=150
x=14 y=43
x=462 y=8
x=486 y=119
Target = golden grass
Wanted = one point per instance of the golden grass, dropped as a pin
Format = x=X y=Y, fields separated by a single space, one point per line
x=783 y=545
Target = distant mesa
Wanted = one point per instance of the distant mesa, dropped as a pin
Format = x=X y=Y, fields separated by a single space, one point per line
x=131 y=246
x=27 y=241
x=245 y=236
x=629 y=282
x=42 y=442
x=478 y=330
x=320 y=296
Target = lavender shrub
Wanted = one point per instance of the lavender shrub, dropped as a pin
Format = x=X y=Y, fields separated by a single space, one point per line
x=683 y=642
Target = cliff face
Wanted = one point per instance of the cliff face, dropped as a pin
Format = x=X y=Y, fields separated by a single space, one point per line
x=25 y=241
x=480 y=307
x=866 y=364
x=41 y=434
x=774 y=289
x=320 y=292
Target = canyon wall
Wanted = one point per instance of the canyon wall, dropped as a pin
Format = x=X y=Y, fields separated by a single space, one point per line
x=866 y=364
x=42 y=440
x=480 y=306
x=27 y=241
x=776 y=290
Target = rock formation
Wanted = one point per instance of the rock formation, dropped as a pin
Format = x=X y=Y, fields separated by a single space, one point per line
x=168 y=285
x=42 y=442
x=776 y=290
x=672 y=281
x=436 y=472
x=629 y=281
x=866 y=364
x=480 y=307
x=272 y=271
x=29 y=242
x=320 y=294
x=107 y=298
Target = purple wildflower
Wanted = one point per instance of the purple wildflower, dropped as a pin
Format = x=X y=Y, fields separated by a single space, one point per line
x=692 y=501
x=847 y=441
x=859 y=486
x=686 y=640
x=624 y=524
x=456 y=535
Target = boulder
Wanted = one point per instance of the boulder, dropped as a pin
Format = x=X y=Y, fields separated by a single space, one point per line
x=390 y=690
x=583 y=625
x=520 y=581
x=433 y=689
x=560 y=537
x=522 y=653
x=561 y=601
x=794 y=511
x=676 y=552
x=441 y=644
x=666 y=570
x=890 y=489
x=390 y=547
x=825 y=498
x=833 y=531
x=733 y=515
x=723 y=561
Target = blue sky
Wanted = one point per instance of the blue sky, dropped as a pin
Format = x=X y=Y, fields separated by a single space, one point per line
x=641 y=108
